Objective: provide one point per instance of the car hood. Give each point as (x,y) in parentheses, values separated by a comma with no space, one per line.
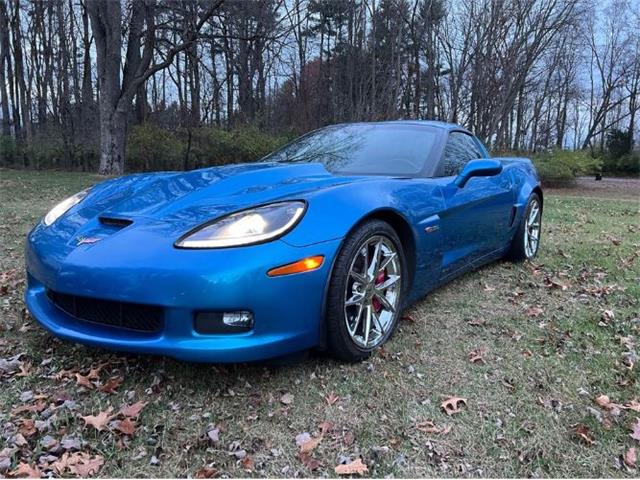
(191,198)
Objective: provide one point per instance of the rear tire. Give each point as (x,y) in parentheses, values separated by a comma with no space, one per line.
(526,241)
(366,291)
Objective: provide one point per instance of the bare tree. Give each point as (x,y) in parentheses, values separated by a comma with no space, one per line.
(116,93)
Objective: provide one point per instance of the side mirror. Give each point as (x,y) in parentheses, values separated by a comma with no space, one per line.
(485,167)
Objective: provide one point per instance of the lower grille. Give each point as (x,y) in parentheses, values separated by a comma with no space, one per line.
(130,316)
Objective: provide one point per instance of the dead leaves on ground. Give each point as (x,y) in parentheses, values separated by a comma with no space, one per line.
(25,470)
(14,366)
(605,403)
(126,426)
(331,398)
(582,432)
(100,421)
(477,355)
(353,468)
(92,381)
(133,410)
(207,472)
(78,463)
(555,283)
(534,312)
(310,444)
(431,428)
(306,444)
(287,399)
(453,405)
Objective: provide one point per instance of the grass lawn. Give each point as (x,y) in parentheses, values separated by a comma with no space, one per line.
(553,336)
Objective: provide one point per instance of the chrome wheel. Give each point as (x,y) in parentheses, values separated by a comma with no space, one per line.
(372,292)
(532,229)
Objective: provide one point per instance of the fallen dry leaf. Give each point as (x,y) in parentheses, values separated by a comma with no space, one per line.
(584,434)
(99,422)
(555,283)
(111,385)
(632,405)
(478,322)
(133,410)
(25,369)
(354,468)
(310,444)
(126,426)
(206,472)
(604,402)
(451,405)
(84,381)
(428,427)
(213,434)
(287,399)
(27,427)
(630,457)
(35,407)
(24,470)
(331,398)
(615,240)
(476,355)
(83,464)
(308,461)
(607,316)
(326,427)
(534,311)
(247,464)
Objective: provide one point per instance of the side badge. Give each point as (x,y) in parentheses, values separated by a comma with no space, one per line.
(432,228)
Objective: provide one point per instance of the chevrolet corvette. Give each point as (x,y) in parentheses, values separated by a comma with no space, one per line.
(319,245)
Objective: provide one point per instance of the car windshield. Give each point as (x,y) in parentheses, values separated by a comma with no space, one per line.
(366,149)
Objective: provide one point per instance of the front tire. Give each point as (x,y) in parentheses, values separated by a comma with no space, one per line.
(366,291)
(526,241)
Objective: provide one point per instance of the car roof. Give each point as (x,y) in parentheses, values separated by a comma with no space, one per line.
(426,123)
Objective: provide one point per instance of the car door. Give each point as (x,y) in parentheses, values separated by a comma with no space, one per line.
(476,216)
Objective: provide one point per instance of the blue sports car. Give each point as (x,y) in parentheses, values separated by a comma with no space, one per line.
(321,244)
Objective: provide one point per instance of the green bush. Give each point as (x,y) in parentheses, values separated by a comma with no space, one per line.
(8,151)
(212,146)
(561,167)
(150,147)
(628,164)
(44,151)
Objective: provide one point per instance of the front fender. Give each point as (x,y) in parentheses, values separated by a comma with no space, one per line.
(415,203)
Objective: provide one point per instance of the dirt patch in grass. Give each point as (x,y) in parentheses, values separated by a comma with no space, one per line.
(608,187)
(552,335)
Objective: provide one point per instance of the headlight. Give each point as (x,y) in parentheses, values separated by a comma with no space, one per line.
(59,210)
(247,227)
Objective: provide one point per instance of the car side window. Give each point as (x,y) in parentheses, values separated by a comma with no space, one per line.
(460,148)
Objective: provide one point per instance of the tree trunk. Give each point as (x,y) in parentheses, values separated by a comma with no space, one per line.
(4,55)
(113,138)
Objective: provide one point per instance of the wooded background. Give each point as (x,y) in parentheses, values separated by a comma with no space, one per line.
(142,84)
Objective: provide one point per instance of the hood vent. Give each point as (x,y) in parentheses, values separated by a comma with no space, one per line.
(115,222)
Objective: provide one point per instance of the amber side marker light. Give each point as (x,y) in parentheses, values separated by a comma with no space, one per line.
(305,265)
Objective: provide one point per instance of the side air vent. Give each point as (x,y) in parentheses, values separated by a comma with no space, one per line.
(115,222)
(513,216)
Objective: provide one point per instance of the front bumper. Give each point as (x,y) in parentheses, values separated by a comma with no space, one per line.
(287,310)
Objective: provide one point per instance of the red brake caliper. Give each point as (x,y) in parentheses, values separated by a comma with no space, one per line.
(377,306)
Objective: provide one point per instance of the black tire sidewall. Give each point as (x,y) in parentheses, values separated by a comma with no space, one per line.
(340,343)
(518,252)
